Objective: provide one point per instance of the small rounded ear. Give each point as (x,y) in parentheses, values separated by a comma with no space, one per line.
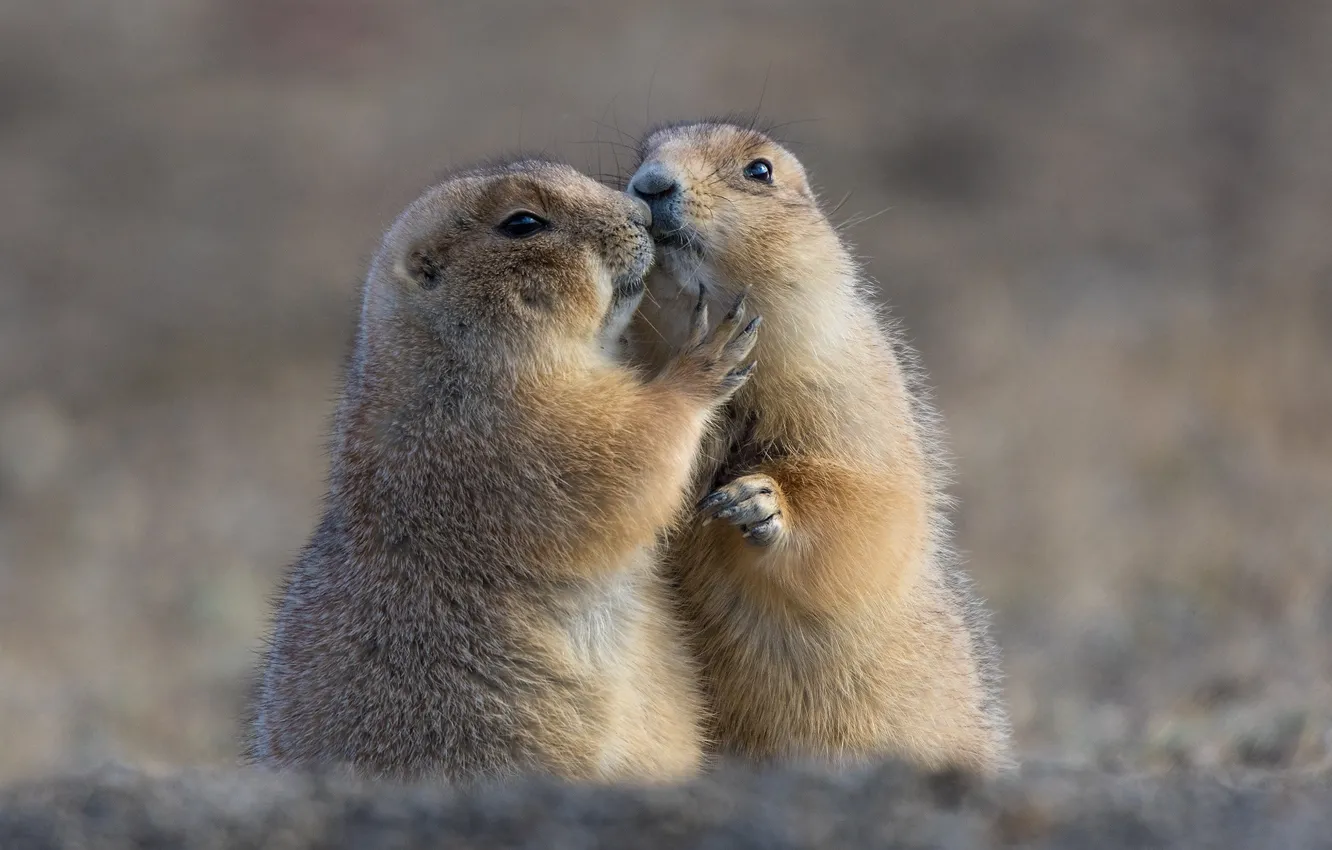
(426,267)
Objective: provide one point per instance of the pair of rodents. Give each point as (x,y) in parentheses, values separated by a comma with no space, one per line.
(511,575)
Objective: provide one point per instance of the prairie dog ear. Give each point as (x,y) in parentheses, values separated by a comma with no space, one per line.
(424,266)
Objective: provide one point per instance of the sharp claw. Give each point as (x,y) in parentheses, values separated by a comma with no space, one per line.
(752,326)
(738,305)
(735,310)
(698,319)
(711,501)
(739,376)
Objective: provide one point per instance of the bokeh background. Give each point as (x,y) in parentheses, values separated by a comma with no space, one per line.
(1107,226)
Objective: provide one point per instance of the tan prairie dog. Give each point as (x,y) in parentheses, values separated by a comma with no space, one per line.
(826,608)
(481,597)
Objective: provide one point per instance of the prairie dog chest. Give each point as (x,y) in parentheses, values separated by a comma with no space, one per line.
(601,629)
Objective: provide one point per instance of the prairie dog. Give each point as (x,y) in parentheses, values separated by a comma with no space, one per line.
(481,597)
(825,606)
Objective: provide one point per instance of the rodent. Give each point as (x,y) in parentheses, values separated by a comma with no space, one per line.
(829,614)
(481,597)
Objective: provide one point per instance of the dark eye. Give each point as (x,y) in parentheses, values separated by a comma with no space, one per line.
(760,170)
(522,224)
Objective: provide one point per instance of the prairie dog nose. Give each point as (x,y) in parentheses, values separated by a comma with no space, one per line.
(653,182)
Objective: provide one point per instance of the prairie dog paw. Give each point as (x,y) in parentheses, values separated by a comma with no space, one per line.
(753,504)
(710,364)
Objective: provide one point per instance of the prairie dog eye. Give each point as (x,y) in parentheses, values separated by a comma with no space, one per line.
(522,224)
(760,170)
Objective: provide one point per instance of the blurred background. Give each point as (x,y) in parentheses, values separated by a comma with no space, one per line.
(1107,227)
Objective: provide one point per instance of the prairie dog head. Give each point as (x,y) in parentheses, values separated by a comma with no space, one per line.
(729,205)
(519,262)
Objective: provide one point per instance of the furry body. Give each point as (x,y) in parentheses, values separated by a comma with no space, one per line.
(824,604)
(481,597)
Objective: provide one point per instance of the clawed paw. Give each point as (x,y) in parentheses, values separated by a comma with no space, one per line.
(752,503)
(713,359)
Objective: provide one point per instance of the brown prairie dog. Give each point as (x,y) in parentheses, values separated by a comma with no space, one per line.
(824,604)
(481,597)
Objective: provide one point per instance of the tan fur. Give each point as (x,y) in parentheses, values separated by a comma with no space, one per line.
(827,611)
(482,596)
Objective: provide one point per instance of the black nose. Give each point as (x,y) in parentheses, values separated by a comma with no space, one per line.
(654,182)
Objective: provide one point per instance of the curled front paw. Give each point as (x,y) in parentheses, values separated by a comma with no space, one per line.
(752,503)
(710,363)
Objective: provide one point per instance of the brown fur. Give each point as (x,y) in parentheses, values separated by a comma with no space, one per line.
(827,610)
(481,597)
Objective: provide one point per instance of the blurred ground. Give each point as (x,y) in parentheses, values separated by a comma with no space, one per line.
(887,808)
(1108,228)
